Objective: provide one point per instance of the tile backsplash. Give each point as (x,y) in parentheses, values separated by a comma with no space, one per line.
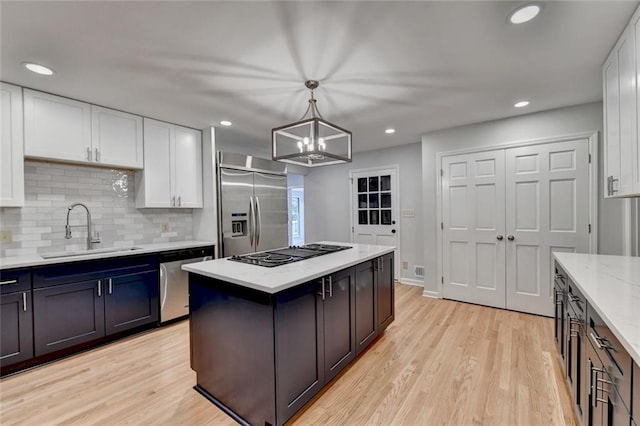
(38,227)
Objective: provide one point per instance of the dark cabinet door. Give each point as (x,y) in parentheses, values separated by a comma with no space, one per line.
(365,294)
(299,348)
(130,301)
(16,336)
(339,322)
(635,404)
(67,315)
(385,291)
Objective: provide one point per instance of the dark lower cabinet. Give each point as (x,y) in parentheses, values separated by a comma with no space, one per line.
(131,301)
(384,289)
(67,315)
(635,403)
(16,339)
(366,311)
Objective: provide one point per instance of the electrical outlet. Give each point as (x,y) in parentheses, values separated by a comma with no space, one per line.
(6,237)
(405,264)
(165,227)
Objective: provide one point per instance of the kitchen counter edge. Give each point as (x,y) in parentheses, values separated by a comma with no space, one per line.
(277,279)
(36,260)
(589,272)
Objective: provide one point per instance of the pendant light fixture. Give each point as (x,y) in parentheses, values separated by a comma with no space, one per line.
(311,141)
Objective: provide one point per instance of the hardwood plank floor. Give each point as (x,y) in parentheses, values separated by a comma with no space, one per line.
(439,362)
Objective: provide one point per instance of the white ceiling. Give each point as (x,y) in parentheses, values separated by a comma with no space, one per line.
(416,66)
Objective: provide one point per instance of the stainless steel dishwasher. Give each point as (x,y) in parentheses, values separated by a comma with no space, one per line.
(174,282)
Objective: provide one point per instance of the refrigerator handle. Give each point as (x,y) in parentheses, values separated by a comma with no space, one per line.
(258,221)
(163,285)
(252,221)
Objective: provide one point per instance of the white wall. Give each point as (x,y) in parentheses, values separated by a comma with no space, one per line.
(546,124)
(327,200)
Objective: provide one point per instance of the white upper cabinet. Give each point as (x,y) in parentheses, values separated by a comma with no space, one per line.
(56,128)
(172,175)
(621,74)
(11,147)
(116,138)
(63,129)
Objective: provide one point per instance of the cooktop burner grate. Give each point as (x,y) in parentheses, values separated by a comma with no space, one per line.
(287,255)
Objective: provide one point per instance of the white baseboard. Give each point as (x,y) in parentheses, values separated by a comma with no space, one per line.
(432,294)
(409,281)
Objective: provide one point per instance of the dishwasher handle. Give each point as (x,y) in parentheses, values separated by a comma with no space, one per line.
(163,285)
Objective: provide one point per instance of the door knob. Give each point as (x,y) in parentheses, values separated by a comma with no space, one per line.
(500,237)
(510,237)
(393,231)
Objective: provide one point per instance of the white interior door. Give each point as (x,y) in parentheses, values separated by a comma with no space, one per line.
(375,209)
(473,228)
(547,205)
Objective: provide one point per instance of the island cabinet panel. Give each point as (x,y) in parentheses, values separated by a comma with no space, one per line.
(339,322)
(299,348)
(16,338)
(366,297)
(384,289)
(67,315)
(635,404)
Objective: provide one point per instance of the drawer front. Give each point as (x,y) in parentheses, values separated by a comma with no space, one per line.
(15,280)
(65,273)
(614,357)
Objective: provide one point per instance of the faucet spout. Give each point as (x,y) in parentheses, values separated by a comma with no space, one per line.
(90,237)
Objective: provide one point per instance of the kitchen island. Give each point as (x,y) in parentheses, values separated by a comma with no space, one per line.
(264,341)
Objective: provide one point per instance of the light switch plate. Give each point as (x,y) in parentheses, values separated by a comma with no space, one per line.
(405,264)
(408,213)
(6,237)
(164,227)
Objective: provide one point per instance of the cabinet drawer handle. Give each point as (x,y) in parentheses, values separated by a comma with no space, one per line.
(330,286)
(179,201)
(99,288)
(97,155)
(321,293)
(173,201)
(110,286)
(24,301)
(88,154)
(8,282)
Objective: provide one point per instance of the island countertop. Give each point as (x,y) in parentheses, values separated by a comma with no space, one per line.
(611,285)
(276,279)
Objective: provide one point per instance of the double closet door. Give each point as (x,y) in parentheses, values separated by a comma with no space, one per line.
(504,213)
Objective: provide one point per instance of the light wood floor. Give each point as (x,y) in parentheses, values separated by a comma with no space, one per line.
(440,362)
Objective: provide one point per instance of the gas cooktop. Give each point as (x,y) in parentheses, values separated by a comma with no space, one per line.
(287,255)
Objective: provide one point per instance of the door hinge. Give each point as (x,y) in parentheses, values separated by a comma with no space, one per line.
(442,279)
(441,172)
(441,225)
(589,228)
(589,158)
(351,179)
(353,229)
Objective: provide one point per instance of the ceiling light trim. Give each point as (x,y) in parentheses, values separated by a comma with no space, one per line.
(521,15)
(37,68)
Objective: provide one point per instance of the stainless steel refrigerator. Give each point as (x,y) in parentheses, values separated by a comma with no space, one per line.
(252,204)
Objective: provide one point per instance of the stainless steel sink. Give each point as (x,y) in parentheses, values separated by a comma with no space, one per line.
(87,252)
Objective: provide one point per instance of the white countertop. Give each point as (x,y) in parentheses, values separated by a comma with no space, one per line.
(36,260)
(273,280)
(611,285)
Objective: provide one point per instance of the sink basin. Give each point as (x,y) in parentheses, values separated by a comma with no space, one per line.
(87,252)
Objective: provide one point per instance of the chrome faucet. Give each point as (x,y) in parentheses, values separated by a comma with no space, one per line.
(90,238)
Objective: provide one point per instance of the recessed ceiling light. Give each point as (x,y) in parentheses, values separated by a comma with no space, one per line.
(225,123)
(37,68)
(390,131)
(524,13)
(521,104)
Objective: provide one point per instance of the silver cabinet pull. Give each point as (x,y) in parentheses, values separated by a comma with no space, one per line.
(179,200)
(510,237)
(610,181)
(88,154)
(24,301)
(321,293)
(99,288)
(110,286)
(381,260)
(97,155)
(173,201)
(330,286)
(8,282)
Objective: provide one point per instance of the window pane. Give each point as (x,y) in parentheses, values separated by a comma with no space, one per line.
(373,201)
(362,201)
(362,217)
(373,216)
(362,184)
(385,217)
(385,200)
(385,183)
(373,184)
